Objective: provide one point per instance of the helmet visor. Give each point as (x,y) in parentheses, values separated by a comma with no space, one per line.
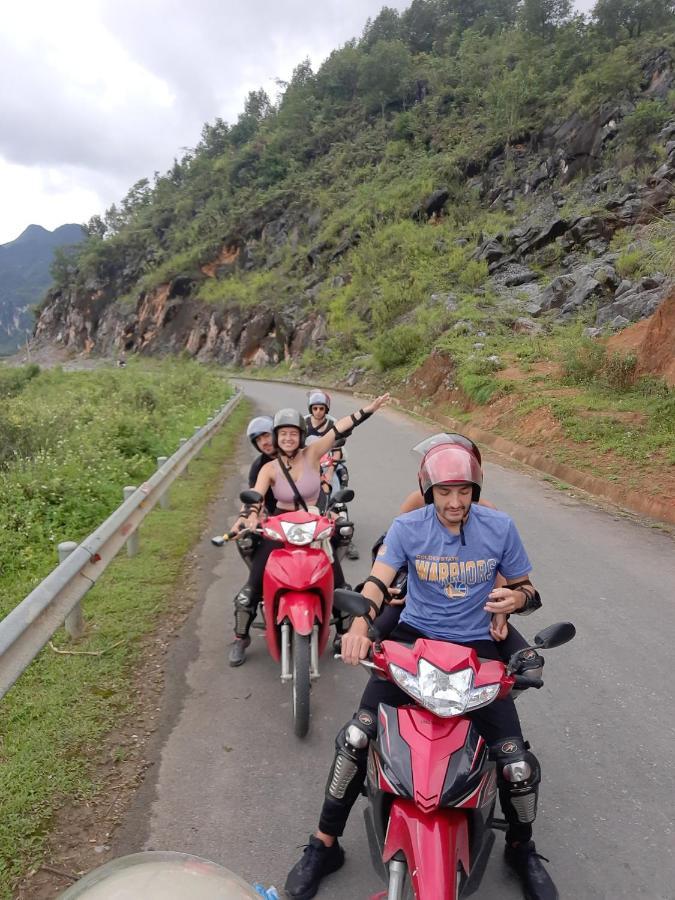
(449,464)
(445,438)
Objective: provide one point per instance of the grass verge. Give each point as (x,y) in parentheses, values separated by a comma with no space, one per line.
(53,719)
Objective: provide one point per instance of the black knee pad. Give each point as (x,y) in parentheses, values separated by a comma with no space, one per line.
(518,776)
(351,753)
(245,607)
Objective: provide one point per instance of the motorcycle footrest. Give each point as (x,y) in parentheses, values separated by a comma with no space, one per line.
(498,824)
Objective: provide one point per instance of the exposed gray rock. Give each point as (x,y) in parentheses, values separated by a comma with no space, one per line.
(353,377)
(618,322)
(491,250)
(524,325)
(585,229)
(649,282)
(623,287)
(514,274)
(632,305)
(592,332)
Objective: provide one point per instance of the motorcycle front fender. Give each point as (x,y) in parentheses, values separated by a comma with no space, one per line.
(301,609)
(436,848)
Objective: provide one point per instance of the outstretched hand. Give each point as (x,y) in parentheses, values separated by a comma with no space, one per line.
(377,403)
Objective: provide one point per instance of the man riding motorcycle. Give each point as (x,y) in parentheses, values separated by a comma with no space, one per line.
(259,433)
(454,549)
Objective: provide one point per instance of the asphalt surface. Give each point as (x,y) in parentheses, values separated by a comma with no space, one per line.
(233,784)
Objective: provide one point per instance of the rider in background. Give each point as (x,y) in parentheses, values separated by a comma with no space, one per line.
(259,433)
(294,477)
(319,423)
(450,534)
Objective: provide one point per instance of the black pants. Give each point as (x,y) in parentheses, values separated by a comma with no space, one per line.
(495,723)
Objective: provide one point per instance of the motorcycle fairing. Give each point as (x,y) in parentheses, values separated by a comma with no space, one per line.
(436,846)
(442,654)
(299,581)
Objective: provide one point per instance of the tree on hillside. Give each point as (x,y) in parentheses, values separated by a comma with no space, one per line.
(385,75)
(486,15)
(635,16)
(420,25)
(257,108)
(386,26)
(338,77)
(542,17)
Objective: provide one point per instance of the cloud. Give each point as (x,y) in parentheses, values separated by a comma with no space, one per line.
(99,93)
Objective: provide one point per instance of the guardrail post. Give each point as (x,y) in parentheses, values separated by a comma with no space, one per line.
(74,620)
(164,498)
(198,428)
(181,443)
(133,541)
(208,422)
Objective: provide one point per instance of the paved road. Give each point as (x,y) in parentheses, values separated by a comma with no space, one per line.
(233,784)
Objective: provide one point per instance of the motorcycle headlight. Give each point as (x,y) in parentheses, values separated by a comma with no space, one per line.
(443,693)
(299,534)
(272,533)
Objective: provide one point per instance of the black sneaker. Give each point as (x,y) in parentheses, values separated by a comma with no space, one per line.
(526,863)
(237,654)
(317,861)
(352,552)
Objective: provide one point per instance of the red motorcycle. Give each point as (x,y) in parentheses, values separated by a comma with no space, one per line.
(431,786)
(298,593)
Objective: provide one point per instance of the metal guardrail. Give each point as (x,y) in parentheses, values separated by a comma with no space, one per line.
(30,625)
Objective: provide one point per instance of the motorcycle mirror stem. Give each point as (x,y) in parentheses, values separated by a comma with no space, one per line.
(551,636)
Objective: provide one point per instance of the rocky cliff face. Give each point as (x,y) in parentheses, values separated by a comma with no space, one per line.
(566,236)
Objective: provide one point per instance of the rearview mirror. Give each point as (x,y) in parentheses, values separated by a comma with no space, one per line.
(555,635)
(346,495)
(350,602)
(250,498)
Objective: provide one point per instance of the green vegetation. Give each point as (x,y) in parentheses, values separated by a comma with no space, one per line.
(69,443)
(53,719)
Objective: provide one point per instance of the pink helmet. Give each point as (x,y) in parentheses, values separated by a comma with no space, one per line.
(449,464)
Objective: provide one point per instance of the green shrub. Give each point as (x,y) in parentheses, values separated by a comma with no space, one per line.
(582,360)
(619,371)
(474,273)
(631,263)
(645,120)
(397,346)
(481,388)
(14,380)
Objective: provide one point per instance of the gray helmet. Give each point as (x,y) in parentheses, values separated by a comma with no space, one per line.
(318,398)
(256,427)
(289,418)
(160,875)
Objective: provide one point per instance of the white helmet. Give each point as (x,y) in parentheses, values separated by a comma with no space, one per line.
(160,875)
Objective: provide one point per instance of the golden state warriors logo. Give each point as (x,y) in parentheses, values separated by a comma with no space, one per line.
(456,576)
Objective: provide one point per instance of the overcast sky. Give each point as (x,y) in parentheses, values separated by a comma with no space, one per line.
(99,93)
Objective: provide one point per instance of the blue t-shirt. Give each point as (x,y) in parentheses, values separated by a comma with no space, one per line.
(448,584)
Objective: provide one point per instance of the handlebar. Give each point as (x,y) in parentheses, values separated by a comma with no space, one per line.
(220,539)
(522,681)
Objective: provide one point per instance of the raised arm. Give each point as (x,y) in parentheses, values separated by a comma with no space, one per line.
(316,450)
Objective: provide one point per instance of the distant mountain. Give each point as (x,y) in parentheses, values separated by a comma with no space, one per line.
(24,278)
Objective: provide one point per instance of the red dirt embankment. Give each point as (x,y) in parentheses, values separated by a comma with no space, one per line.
(652,341)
